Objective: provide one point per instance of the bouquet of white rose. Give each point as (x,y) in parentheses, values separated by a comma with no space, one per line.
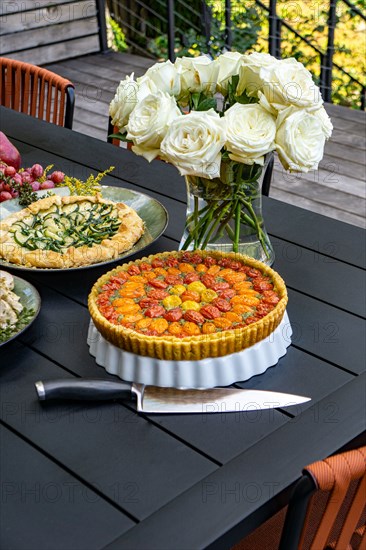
(217,122)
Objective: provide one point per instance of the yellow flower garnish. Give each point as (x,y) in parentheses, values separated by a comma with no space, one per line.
(89,187)
(43,178)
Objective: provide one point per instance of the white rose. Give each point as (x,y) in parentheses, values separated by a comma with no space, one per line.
(228,63)
(198,74)
(146,86)
(299,139)
(250,133)
(149,122)
(250,72)
(325,120)
(193,143)
(128,94)
(287,83)
(165,76)
(124,101)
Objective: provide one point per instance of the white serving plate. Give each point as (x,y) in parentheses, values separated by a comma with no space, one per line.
(206,373)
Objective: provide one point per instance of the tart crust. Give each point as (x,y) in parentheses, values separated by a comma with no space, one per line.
(128,233)
(190,347)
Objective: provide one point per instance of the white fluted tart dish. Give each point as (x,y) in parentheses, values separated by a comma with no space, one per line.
(188,306)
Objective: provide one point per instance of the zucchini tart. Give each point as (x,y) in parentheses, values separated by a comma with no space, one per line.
(188,305)
(62,232)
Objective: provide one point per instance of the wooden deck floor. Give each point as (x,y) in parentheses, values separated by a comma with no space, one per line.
(336,190)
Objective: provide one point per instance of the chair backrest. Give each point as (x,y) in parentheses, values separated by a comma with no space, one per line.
(267,178)
(112,130)
(328,507)
(36,91)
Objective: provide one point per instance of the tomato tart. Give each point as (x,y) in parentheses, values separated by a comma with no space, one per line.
(72,231)
(188,305)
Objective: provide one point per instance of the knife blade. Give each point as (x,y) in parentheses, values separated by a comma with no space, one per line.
(157,400)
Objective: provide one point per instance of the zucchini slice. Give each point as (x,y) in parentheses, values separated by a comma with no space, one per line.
(20,238)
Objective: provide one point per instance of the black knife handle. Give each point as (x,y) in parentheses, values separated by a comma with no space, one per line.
(83,389)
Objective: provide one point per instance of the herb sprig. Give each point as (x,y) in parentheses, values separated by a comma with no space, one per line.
(24,318)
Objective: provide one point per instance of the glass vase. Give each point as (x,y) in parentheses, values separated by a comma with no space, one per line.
(226,213)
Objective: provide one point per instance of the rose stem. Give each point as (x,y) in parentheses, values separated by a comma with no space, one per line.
(213,227)
(237,227)
(201,222)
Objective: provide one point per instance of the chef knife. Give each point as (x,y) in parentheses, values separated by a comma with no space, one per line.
(154,399)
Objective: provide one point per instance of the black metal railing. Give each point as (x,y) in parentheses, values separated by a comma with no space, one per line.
(142,21)
(326,61)
(326,57)
(174,18)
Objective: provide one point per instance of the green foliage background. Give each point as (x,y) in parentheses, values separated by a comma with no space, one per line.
(309,18)
(250,33)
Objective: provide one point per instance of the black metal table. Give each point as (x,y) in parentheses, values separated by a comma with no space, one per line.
(97,475)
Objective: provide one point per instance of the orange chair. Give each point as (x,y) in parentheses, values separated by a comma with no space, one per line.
(112,130)
(327,510)
(36,91)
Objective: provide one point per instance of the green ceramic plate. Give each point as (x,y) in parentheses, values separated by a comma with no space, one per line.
(150,210)
(31,302)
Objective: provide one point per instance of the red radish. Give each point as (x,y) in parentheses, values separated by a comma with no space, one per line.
(8,153)
(37,171)
(36,185)
(17,178)
(57,177)
(47,185)
(5,196)
(26,177)
(10,171)
(7,187)
(14,194)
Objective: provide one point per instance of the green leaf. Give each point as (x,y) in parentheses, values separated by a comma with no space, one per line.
(195,99)
(244,99)
(234,81)
(121,137)
(206,104)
